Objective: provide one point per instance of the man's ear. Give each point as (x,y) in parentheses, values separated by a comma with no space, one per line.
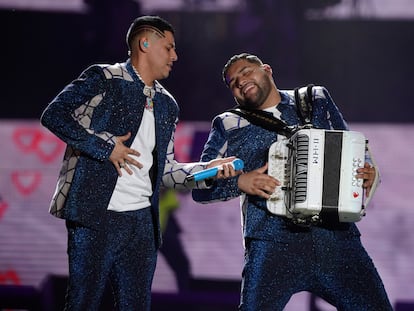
(143,44)
(267,68)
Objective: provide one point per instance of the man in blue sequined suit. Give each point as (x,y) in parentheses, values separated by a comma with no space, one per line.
(118,123)
(282,258)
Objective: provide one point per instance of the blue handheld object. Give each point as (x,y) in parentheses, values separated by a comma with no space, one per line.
(237,164)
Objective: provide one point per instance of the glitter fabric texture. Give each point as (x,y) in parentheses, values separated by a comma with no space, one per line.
(282,259)
(131,235)
(88,127)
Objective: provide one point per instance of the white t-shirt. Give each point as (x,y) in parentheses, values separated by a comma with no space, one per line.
(133,192)
(276,113)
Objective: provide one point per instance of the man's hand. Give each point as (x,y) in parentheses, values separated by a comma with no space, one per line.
(257,182)
(367,173)
(121,155)
(227,171)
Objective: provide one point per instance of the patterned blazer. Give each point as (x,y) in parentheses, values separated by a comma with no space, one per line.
(106,101)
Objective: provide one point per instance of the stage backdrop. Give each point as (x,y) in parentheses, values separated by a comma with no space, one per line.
(33,243)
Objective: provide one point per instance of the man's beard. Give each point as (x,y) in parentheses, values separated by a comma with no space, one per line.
(250,104)
(259,97)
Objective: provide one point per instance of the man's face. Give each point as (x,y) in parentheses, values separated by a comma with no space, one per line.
(161,55)
(250,83)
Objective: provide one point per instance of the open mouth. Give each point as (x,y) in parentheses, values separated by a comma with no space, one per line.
(247,88)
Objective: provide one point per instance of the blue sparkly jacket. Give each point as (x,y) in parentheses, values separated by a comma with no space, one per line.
(232,135)
(106,101)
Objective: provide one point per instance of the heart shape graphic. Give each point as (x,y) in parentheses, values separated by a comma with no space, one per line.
(46,146)
(3,207)
(49,147)
(26,138)
(9,277)
(26,181)
(355,194)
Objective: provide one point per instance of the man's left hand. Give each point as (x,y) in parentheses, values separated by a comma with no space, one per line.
(367,173)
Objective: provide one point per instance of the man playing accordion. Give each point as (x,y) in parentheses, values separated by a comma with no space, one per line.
(281,257)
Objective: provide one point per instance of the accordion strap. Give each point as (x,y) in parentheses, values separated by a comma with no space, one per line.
(304,103)
(264,119)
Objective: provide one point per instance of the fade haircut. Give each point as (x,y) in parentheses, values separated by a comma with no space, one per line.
(249,57)
(147,22)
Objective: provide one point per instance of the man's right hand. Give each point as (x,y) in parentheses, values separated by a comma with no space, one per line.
(257,182)
(121,155)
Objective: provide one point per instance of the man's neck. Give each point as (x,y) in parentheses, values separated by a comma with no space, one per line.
(142,71)
(272,100)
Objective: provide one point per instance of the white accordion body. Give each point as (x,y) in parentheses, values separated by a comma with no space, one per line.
(317,170)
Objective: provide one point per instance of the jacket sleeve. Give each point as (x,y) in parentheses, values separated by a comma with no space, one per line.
(69,115)
(175,173)
(216,147)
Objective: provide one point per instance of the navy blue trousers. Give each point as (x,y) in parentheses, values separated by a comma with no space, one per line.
(123,251)
(330,264)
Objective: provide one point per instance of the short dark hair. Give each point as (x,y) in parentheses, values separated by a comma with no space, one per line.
(249,57)
(144,22)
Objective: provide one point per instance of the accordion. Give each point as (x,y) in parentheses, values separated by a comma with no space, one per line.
(317,171)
